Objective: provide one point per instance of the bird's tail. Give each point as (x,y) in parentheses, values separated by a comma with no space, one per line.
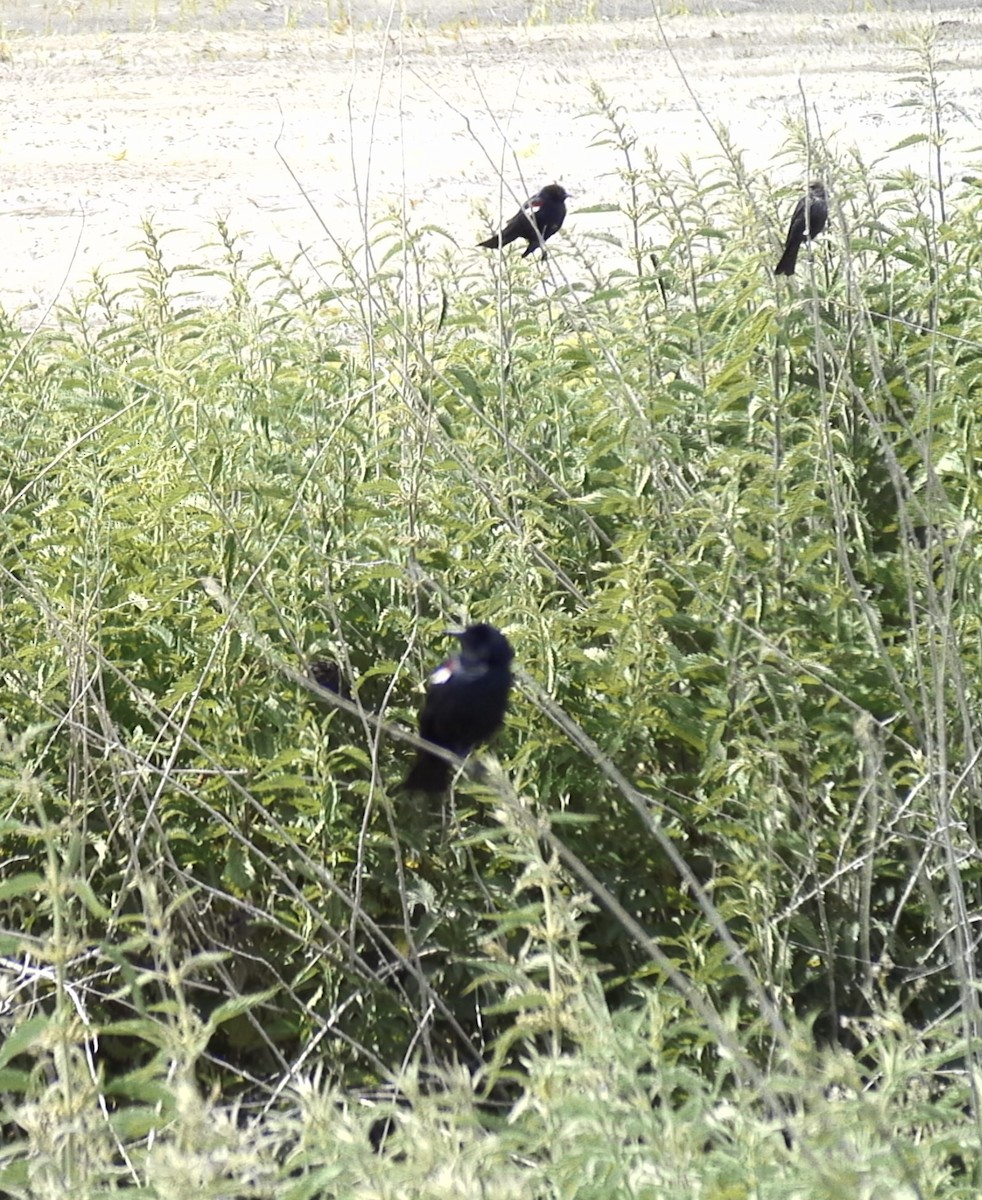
(493,243)
(429,774)
(789,259)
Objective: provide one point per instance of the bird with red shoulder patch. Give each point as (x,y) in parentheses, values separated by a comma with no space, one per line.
(536,221)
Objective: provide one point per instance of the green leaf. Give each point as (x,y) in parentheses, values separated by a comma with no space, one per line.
(24,884)
(238,1005)
(23,1037)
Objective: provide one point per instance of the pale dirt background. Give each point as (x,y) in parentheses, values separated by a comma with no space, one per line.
(108,113)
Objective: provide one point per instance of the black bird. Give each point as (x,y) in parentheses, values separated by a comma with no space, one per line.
(327,673)
(804,226)
(465,703)
(536,221)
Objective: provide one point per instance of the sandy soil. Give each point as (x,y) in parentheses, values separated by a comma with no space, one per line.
(100,128)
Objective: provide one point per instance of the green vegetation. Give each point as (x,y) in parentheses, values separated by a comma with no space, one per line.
(710,929)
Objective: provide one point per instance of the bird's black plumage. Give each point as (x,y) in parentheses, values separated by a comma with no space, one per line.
(327,673)
(807,222)
(465,703)
(536,221)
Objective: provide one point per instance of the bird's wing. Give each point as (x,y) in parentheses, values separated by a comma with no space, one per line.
(517,226)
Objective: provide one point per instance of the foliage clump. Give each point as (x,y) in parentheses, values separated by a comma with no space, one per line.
(711,926)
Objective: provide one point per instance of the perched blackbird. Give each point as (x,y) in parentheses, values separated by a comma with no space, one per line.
(465,703)
(327,673)
(538,218)
(804,226)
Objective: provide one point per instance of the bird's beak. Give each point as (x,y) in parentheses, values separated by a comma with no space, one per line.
(453,633)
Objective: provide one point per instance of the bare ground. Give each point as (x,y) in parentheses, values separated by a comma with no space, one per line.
(99,129)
